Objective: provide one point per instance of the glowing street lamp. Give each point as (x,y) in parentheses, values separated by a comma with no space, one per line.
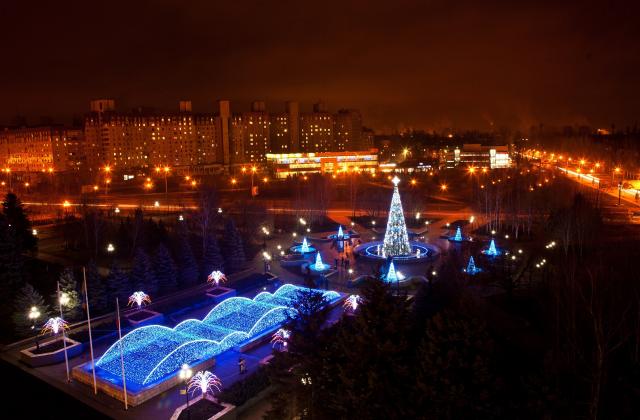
(33,315)
(64,299)
(110,248)
(184,375)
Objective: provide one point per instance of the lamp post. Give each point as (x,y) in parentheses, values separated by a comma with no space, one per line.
(619,191)
(185,375)
(34,314)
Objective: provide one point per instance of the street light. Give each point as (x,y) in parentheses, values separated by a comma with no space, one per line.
(185,374)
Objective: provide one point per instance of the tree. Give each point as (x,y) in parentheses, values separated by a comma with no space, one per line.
(19,222)
(454,366)
(96,290)
(27,298)
(234,249)
(165,270)
(118,284)
(212,258)
(71,310)
(396,239)
(141,276)
(187,266)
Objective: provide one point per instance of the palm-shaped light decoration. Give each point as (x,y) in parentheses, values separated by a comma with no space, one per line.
(216,277)
(205,381)
(55,325)
(280,339)
(352,302)
(139,298)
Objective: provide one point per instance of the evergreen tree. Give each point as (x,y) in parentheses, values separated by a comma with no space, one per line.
(212,258)
(187,266)
(165,270)
(234,249)
(26,298)
(141,276)
(96,289)
(396,239)
(19,222)
(71,310)
(118,285)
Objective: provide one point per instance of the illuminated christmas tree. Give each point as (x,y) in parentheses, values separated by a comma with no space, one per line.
(305,246)
(391,277)
(471,267)
(319,264)
(458,236)
(340,233)
(396,240)
(492,249)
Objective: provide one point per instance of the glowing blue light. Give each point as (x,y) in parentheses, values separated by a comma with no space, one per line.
(492,251)
(458,235)
(391,274)
(340,233)
(153,352)
(471,267)
(319,264)
(305,246)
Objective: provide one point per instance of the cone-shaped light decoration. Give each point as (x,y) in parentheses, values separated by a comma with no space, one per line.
(305,246)
(396,239)
(319,264)
(458,236)
(340,233)
(391,274)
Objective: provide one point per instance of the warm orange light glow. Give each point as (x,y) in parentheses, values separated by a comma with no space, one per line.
(244,169)
(66,203)
(304,177)
(414,182)
(254,169)
(617,169)
(233,181)
(265,179)
(187,178)
(443,187)
(193,183)
(95,188)
(108,181)
(484,170)
(107,168)
(50,170)
(471,169)
(157,169)
(166,169)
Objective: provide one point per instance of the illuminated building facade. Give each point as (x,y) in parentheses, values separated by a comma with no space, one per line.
(285,130)
(348,131)
(36,149)
(316,130)
(288,164)
(250,135)
(148,139)
(478,155)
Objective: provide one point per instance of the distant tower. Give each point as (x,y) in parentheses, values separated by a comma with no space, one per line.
(396,239)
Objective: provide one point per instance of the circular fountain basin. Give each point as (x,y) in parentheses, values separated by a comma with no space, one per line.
(428,252)
(297,249)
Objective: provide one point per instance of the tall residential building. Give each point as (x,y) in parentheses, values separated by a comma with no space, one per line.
(223,130)
(348,130)
(140,140)
(35,149)
(285,130)
(251,135)
(316,130)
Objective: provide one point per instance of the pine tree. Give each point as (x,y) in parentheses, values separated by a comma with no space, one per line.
(396,239)
(27,298)
(19,222)
(118,285)
(187,266)
(71,310)
(234,249)
(141,276)
(165,271)
(96,289)
(212,258)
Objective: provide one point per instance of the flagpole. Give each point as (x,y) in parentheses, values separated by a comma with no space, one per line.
(64,336)
(86,299)
(124,380)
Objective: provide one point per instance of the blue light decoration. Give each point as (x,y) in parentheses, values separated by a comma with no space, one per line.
(396,239)
(458,236)
(319,264)
(492,251)
(340,233)
(305,246)
(154,352)
(391,276)
(471,267)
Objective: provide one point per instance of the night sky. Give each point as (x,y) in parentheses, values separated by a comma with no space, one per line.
(421,64)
